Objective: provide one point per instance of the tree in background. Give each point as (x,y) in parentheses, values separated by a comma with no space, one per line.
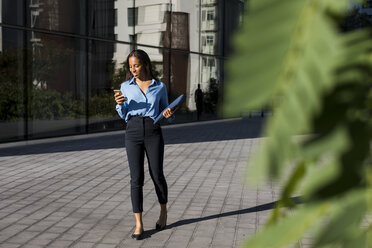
(46,62)
(294,56)
(11,93)
(211,97)
(118,75)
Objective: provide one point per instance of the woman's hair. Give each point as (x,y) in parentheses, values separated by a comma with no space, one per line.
(144,60)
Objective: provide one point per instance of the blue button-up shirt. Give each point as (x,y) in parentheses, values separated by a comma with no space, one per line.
(139,104)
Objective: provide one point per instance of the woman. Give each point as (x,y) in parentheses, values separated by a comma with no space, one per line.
(143,98)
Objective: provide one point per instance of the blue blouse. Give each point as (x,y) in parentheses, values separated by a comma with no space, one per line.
(139,104)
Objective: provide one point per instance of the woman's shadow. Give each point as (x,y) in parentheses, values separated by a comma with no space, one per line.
(263,207)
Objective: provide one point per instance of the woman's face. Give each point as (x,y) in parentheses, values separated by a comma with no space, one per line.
(136,68)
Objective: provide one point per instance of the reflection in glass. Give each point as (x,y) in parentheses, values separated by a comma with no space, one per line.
(176,62)
(56,85)
(209,26)
(84,17)
(211,83)
(105,74)
(194,80)
(146,21)
(13,74)
(127,16)
(132,16)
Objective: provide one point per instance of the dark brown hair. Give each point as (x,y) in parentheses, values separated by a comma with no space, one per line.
(145,61)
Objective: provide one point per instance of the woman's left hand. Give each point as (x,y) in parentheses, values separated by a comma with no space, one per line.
(168,113)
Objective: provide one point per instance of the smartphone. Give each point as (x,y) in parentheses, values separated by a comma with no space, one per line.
(120,94)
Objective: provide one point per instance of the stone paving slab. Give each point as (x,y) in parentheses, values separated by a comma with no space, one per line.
(75,192)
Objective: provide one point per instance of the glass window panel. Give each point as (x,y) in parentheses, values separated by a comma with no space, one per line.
(218,21)
(210,15)
(186,16)
(192,84)
(132,17)
(106,72)
(209,27)
(127,15)
(83,17)
(183,77)
(13,12)
(116,17)
(209,43)
(210,84)
(79,74)
(153,23)
(232,12)
(13,71)
(57,91)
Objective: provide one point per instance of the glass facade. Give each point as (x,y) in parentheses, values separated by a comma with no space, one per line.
(60,59)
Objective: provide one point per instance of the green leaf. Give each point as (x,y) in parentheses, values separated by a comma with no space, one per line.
(289,188)
(344,220)
(292,56)
(333,143)
(289,230)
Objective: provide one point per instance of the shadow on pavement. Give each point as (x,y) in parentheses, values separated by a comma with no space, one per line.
(263,207)
(173,134)
(259,208)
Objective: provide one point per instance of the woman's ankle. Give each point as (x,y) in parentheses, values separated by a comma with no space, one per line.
(163,209)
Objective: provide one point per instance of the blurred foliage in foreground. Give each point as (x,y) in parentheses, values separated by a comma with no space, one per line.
(292,55)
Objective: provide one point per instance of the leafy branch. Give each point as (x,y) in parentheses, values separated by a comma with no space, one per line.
(292,56)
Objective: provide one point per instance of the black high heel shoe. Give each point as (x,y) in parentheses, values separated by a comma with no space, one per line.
(159,227)
(138,236)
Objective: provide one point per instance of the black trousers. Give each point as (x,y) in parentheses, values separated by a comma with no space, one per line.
(143,137)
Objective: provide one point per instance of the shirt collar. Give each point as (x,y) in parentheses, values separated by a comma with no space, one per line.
(133,82)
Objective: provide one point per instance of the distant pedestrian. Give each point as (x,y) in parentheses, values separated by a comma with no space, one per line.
(198,96)
(140,101)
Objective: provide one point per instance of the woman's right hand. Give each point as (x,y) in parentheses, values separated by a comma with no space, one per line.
(119,98)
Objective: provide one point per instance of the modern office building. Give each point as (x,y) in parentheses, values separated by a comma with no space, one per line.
(60,59)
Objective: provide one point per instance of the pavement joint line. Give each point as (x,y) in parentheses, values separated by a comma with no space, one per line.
(86,232)
(208,200)
(240,203)
(170,186)
(83,195)
(30,180)
(45,186)
(224,203)
(48,204)
(188,205)
(119,203)
(203,211)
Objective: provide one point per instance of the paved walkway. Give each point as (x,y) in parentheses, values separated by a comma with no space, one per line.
(74,191)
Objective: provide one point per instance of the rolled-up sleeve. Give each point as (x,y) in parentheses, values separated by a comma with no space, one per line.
(122,110)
